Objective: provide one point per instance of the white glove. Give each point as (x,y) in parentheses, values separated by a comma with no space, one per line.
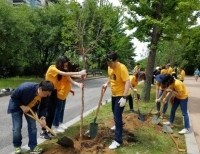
(83,72)
(81,85)
(157,100)
(122,102)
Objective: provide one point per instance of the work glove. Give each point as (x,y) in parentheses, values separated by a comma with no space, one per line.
(83,72)
(157,100)
(122,102)
(81,85)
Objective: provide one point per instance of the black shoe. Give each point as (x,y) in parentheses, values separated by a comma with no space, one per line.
(131,110)
(45,135)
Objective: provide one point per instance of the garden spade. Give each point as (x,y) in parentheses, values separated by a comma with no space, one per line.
(141,117)
(63,141)
(156,118)
(94,126)
(169,131)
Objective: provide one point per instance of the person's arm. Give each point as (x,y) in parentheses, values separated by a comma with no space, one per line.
(83,72)
(80,85)
(126,89)
(106,84)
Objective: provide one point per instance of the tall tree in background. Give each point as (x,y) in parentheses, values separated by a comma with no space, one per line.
(157,20)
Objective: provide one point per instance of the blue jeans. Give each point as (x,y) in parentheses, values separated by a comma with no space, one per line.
(117,112)
(59,113)
(183,104)
(158,104)
(17,126)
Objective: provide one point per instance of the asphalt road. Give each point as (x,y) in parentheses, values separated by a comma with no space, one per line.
(73,109)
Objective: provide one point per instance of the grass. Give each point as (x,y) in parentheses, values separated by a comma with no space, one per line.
(149,140)
(16,81)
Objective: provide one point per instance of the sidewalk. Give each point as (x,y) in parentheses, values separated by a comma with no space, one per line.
(193,139)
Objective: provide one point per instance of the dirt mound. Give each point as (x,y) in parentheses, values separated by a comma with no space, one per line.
(105,135)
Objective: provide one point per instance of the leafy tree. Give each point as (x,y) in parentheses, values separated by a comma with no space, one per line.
(157,20)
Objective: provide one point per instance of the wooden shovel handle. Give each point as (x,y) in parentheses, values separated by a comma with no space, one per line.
(34,116)
(177,146)
(100,101)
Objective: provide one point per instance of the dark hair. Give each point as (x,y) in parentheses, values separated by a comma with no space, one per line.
(138,64)
(111,56)
(60,65)
(141,75)
(46,85)
(167,80)
(72,67)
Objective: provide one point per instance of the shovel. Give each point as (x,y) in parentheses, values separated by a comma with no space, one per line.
(169,131)
(156,118)
(94,126)
(141,117)
(63,141)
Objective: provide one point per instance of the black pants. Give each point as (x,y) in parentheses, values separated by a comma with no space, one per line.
(51,109)
(130,101)
(152,82)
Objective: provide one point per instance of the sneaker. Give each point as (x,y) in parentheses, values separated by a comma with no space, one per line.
(131,110)
(167,123)
(18,150)
(156,112)
(45,135)
(36,150)
(184,131)
(114,145)
(113,127)
(59,130)
(63,126)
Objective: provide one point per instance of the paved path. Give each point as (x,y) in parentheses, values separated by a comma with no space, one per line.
(193,139)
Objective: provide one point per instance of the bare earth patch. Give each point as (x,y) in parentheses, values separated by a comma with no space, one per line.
(99,144)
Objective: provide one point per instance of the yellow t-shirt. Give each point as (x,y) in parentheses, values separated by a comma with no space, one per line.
(118,76)
(169,70)
(182,75)
(35,101)
(178,86)
(163,71)
(63,86)
(133,80)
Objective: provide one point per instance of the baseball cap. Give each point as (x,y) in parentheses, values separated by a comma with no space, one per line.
(159,78)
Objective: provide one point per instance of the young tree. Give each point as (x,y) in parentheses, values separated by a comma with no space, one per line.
(156,20)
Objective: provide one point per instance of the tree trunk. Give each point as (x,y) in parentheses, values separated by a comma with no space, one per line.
(152,55)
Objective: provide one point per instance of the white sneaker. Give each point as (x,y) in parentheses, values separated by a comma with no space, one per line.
(184,131)
(59,130)
(113,127)
(167,123)
(114,145)
(63,126)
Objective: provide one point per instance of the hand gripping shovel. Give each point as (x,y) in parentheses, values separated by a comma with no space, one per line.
(63,141)
(94,125)
(140,116)
(169,131)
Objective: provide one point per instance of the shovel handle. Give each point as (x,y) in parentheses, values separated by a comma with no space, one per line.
(39,121)
(177,146)
(100,100)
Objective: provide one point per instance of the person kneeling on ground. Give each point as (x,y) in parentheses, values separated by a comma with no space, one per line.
(29,95)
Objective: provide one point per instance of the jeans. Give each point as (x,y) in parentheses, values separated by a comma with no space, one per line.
(59,114)
(158,104)
(183,104)
(17,126)
(117,112)
(130,101)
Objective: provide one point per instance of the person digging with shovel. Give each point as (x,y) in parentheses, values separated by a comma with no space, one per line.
(29,95)
(120,83)
(134,80)
(177,88)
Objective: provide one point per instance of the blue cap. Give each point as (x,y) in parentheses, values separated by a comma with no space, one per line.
(159,78)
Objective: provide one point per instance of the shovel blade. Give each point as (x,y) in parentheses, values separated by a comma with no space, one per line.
(141,117)
(93,130)
(65,141)
(156,119)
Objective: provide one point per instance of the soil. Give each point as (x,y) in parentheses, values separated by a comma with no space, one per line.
(105,135)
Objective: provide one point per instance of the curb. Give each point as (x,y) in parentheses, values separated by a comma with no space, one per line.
(191,143)
(6,93)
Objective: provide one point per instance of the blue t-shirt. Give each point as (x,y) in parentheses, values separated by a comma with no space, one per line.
(196,72)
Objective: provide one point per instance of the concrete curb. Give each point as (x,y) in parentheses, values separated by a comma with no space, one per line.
(191,143)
